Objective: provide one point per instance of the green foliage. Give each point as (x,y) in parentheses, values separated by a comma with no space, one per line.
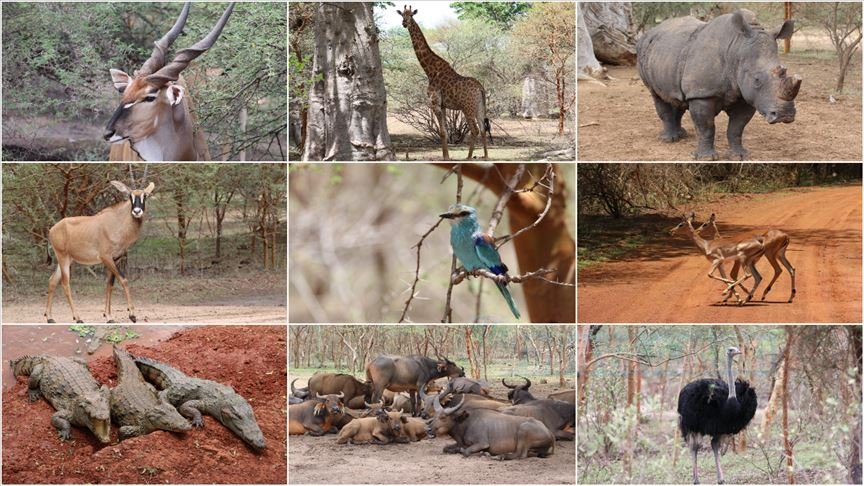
(56,58)
(501,14)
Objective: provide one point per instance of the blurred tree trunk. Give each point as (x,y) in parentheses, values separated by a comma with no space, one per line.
(853,465)
(486,330)
(787,445)
(682,380)
(774,398)
(348,105)
(547,245)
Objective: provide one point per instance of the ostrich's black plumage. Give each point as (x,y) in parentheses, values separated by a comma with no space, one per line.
(704,408)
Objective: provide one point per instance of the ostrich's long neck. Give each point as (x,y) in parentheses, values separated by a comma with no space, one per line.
(731,377)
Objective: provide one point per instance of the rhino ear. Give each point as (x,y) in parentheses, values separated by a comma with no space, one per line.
(785,30)
(740,24)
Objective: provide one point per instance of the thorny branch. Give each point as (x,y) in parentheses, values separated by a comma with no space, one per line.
(550,190)
(461,274)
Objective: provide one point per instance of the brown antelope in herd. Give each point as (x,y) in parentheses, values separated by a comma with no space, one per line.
(776,242)
(154,116)
(101,238)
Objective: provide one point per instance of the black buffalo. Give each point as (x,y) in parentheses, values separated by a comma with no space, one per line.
(407,373)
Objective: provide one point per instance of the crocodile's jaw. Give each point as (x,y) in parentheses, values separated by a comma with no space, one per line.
(101,429)
(245,428)
(166,417)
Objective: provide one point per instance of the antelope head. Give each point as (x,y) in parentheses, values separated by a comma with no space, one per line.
(151,114)
(137,197)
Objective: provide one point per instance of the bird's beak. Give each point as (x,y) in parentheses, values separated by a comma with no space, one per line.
(446,215)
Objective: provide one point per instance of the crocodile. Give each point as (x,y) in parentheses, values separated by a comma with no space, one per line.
(194,396)
(70,388)
(135,405)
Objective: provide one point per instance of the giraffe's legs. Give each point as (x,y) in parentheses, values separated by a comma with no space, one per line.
(437,108)
(472,125)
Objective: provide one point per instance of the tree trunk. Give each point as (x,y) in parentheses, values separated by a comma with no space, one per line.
(787,445)
(535,97)
(348,105)
(586,353)
(587,65)
(611,29)
(853,465)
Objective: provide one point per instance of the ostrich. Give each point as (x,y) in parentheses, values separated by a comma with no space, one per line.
(712,407)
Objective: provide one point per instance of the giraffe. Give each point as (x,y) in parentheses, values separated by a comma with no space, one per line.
(448,89)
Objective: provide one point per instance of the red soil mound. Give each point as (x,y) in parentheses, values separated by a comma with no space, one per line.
(249,358)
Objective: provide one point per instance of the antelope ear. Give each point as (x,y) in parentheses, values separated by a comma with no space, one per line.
(121,79)
(121,187)
(150,188)
(175,94)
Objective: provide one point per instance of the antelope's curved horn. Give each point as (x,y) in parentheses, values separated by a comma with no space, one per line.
(157,59)
(171,72)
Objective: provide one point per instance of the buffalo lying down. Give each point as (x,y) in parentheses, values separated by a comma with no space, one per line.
(383,428)
(316,416)
(505,436)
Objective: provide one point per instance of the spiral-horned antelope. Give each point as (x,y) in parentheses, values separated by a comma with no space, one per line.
(154,119)
(101,238)
(776,242)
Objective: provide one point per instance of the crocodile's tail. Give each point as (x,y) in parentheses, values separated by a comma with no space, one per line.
(24,365)
(155,372)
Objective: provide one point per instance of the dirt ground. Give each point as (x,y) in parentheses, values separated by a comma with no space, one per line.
(618,121)
(249,358)
(665,279)
(311,459)
(512,139)
(257,299)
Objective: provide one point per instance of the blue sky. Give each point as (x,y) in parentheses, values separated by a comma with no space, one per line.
(429,14)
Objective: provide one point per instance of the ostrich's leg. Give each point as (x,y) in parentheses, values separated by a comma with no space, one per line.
(693,442)
(695,451)
(715,446)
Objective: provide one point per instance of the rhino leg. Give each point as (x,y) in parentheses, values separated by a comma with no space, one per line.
(703,112)
(671,118)
(739,116)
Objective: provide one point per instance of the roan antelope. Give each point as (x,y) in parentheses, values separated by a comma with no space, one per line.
(101,238)
(154,116)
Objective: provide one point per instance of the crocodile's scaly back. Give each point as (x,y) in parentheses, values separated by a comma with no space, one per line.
(70,388)
(194,396)
(135,405)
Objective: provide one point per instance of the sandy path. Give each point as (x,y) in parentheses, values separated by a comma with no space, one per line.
(665,280)
(91,312)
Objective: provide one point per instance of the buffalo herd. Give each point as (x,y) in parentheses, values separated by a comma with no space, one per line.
(399,403)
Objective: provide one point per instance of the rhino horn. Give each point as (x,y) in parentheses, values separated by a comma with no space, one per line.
(789,88)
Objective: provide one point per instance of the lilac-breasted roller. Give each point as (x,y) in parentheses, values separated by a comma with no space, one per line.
(474,248)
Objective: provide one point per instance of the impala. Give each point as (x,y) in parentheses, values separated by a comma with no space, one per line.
(154,118)
(101,238)
(776,242)
(743,253)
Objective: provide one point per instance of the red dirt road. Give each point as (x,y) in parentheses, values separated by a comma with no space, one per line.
(665,280)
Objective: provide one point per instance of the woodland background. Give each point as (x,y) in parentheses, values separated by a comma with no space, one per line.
(807,427)
(58,94)
(522,53)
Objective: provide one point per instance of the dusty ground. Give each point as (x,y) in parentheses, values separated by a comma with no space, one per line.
(618,121)
(512,139)
(250,359)
(257,299)
(311,459)
(665,279)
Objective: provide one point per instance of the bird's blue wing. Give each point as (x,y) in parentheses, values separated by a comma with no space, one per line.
(484,246)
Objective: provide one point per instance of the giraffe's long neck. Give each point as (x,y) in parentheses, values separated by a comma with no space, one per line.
(431,63)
